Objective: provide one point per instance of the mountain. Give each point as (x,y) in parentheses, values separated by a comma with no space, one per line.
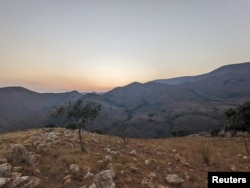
(242,68)
(21,108)
(143,110)
(154,109)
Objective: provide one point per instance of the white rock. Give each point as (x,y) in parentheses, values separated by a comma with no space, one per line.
(174,179)
(245,157)
(88,174)
(74,168)
(3,181)
(133,152)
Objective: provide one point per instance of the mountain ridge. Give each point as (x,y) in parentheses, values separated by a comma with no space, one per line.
(183,79)
(18,104)
(147,110)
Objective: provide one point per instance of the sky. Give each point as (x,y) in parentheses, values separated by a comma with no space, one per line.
(97,45)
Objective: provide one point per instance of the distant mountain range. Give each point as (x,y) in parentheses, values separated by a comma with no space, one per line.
(151,110)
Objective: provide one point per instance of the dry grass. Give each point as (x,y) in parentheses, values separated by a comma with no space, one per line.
(187,156)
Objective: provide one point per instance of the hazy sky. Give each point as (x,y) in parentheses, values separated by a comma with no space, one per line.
(96,45)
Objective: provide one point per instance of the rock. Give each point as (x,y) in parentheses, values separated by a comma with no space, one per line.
(149,162)
(229,134)
(233,168)
(174,179)
(108,150)
(122,172)
(147,182)
(92,186)
(51,136)
(162,186)
(152,175)
(108,158)
(67,181)
(74,168)
(14,175)
(133,152)
(4,181)
(221,133)
(17,169)
(245,157)
(67,177)
(104,180)
(5,170)
(241,133)
(88,174)
(114,152)
(17,153)
(32,159)
(25,182)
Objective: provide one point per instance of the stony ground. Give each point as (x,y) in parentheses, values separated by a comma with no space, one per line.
(52,158)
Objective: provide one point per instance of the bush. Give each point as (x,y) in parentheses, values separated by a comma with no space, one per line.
(50,126)
(238,119)
(215,132)
(97,131)
(179,133)
(71,126)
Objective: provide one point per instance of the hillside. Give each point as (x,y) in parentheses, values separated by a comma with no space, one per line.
(155,109)
(20,107)
(242,68)
(52,158)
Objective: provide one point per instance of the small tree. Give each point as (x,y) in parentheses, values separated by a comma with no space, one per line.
(79,115)
(123,133)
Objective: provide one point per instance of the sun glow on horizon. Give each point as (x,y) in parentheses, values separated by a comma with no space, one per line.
(97,46)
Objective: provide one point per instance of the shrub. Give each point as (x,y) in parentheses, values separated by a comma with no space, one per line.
(71,126)
(179,133)
(215,132)
(50,126)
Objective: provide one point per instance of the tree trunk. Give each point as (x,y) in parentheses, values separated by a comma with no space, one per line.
(80,138)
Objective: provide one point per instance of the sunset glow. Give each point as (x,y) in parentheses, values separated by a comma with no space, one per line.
(63,45)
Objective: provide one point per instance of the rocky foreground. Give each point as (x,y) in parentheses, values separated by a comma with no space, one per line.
(52,158)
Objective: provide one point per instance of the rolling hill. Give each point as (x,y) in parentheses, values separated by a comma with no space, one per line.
(154,109)
(151,110)
(21,108)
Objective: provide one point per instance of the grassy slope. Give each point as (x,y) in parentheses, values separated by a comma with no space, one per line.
(174,155)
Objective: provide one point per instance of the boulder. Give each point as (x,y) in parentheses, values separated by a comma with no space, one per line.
(4,181)
(104,180)
(25,182)
(17,153)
